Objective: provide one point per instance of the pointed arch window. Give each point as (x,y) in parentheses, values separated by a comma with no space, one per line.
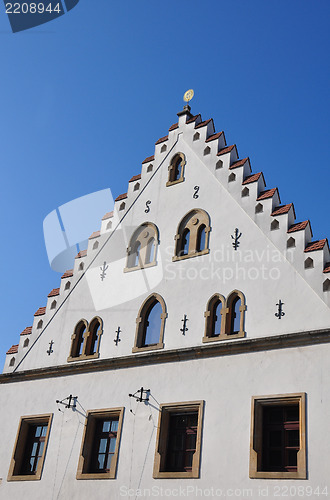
(224,318)
(150,324)
(85,341)
(176,169)
(192,237)
(142,250)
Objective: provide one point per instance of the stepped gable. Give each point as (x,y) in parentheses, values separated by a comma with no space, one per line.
(54,292)
(248,178)
(67,274)
(299,226)
(252,178)
(13,349)
(108,215)
(316,245)
(27,330)
(41,311)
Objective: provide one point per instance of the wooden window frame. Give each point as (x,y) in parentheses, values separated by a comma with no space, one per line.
(226,311)
(162,437)
(20,446)
(258,402)
(87,443)
(172,166)
(86,340)
(193,221)
(140,321)
(143,235)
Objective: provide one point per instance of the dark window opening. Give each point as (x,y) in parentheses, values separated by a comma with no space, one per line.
(104,444)
(181,443)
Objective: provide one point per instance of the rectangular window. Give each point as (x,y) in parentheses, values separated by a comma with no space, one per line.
(30,448)
(179,440)
(100,445)
(278,437)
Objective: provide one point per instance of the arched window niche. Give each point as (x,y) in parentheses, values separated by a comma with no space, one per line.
(176,169)
(150,324)
(85,340)
(192,237)
(142,250)
(224,318)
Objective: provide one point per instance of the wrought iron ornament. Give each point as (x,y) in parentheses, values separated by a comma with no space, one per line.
(117,339)
(147,210)
(196,195)
(236,237)
(139,395)
(184,328)
(50,350)
(280,312)
(67,402)
(103,269)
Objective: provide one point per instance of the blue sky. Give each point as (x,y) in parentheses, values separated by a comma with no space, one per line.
(77,91)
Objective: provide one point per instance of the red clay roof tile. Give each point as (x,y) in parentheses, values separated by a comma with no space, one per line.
(327,268)
(108,215)
(252,178)
(162,139)
(284,209)
(27,330)
(148,159)
(13,349)
(298,226)
(135,178)
(192,119)
(41,311)
(67,274)
(223,151)
(54,292)
(121,197)
(239,163)
(80,254)
(173,127)
(202,124)
(96,234)
(315,245)
(214,136)
(267,194)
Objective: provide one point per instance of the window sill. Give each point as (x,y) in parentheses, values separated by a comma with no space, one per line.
(228,336)
(96,475)
(148,348)
(190,255)
(83,357)
(136,268)
(27,477)
(172,183)
(278,475)
(176,475)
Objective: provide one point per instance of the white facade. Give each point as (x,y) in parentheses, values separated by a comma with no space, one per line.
(275,356)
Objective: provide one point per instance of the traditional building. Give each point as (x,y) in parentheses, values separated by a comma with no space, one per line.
(190,341)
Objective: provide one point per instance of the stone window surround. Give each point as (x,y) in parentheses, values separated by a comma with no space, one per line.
(86,334)
(256,435)
(87,442)
(144,240)
(225,317)
(172,167)
(193,220)
(162,435)
(140,322)
(20,444)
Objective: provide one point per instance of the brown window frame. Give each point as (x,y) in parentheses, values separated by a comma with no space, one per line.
(142,236)
(85,468)
(178,157)
(257,436)
(87,340)
(161,454)
(193,221)
(141,324)
(23,442)
(226,317)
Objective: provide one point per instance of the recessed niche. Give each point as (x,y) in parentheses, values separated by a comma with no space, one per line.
(53,304)
(219,164)
(207,150)
(245,192)
(150,167)
(291,243)
(136,187)
(26,343)
(67,286)
(326,285)
(232,177)
(122,206)
(163,148)
(196,136)
(40,323)
(259,208)
(274,225)
(309,263)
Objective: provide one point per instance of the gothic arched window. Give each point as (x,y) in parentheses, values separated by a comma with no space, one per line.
(192,237)
(176,169)
(224,318)
(85,341)
(235,311)
(150,324)
(142,250)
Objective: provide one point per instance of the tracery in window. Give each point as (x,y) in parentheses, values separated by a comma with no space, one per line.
(192,237)
(85,341)
(142,250)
